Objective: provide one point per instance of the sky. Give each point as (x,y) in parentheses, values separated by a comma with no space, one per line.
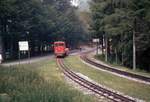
(83,5)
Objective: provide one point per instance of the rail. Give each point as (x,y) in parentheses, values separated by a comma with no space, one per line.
(115,97)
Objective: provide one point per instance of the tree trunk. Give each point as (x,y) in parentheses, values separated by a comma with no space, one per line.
(106,48)
(102,45)
(1,45)
(2,31)
(122,58)
(116,58)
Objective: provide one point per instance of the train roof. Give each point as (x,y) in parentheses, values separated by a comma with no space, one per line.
(59,42)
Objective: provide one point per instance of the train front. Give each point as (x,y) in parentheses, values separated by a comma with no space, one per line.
(60,49)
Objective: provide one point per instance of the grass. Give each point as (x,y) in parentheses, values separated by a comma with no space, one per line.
(37,82)
(126,86)
(137,71)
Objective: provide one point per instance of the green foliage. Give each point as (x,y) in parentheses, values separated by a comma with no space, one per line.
(116,20)
(40,21)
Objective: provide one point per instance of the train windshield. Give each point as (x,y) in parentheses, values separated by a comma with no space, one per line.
(59,44)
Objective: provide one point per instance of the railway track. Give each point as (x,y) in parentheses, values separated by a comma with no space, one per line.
(120,72)
(91,86)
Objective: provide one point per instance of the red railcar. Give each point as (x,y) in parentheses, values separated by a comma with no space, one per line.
(60,49)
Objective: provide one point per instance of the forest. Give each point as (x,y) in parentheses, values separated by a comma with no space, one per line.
(125,26)
(41,22)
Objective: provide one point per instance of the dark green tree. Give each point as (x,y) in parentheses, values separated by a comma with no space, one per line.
(118,21)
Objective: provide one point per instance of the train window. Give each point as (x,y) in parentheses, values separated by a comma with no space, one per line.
(59,44)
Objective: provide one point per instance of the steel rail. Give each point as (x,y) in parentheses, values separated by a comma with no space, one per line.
(120,72)
(91,86)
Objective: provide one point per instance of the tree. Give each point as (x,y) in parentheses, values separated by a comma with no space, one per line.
(115,19)
(41,22)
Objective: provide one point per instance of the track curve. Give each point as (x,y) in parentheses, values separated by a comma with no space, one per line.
(101,66)
(91,86)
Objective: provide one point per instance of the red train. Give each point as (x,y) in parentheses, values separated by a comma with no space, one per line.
(60,49)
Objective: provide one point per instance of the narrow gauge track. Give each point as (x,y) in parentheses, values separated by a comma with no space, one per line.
(128,74)
(91,86)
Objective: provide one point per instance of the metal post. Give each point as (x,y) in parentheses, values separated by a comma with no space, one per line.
(134,52)
(28,46)
(134,45)
(29,55)
(19,57)
(97,48)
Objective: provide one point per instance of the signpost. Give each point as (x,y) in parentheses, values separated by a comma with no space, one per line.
(96,40)
(24,46)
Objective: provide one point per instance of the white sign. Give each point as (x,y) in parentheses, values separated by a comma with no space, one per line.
(95,40)
(23,46)
(0,57)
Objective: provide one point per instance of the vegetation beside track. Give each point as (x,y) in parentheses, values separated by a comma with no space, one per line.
(37,82)
(113,64)
(126,86)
